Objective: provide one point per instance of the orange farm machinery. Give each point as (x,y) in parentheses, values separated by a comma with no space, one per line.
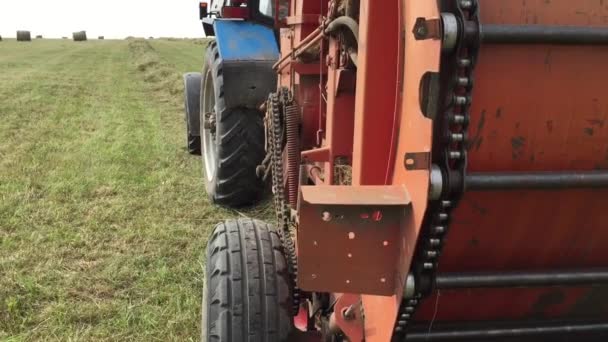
(439,169)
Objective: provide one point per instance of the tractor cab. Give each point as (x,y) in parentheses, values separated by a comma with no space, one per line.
(258,11)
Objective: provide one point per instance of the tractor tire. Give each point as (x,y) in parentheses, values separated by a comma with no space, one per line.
(246,295)
(232,143)
(192,108)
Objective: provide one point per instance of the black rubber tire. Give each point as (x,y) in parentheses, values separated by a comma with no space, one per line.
(246,295)
(239,143)
(194,144)
(192,107)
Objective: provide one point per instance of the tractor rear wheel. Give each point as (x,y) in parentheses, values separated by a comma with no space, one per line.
(246,295)
(232,140)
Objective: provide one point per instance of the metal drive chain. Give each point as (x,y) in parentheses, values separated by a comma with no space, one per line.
(450,130)
(275,137)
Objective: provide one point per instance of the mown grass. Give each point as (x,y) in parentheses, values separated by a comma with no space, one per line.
(103,217)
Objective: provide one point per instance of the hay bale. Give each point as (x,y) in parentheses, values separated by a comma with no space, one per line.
(38,37)
(80,36)
(0,38)
(101,37)
(24,36)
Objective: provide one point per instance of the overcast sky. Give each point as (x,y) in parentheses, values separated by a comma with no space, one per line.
(109,18)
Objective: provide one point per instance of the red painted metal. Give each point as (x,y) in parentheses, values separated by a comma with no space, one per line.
(349,318)
(235,12)
(535,108)
(413,135)
(347,238)
(375,97)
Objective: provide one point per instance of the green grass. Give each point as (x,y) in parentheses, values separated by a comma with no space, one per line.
(103,216)
(184,55)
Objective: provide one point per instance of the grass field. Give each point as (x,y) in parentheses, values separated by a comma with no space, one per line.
(103,216)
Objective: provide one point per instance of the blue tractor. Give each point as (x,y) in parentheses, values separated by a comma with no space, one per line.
(225,124)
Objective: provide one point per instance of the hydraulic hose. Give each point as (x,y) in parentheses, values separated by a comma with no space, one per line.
(351,24)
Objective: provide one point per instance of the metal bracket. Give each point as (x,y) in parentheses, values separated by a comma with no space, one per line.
(427,29)
(349,238)
(417,161)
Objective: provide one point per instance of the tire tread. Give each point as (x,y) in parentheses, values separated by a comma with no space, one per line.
(247,278)
(240,147)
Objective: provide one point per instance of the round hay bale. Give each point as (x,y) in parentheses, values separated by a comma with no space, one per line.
(24,36)
(101,37)
(38,37)
(0,38)
(80,36)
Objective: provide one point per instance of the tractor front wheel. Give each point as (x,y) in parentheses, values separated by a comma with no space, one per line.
(246,294)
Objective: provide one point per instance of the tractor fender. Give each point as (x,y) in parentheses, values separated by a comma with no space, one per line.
(247,51)
(192,87)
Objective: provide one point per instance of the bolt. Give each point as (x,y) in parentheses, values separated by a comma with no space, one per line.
(209,121)
(439,229)
(421,31)
(431,254)
(464,63)
(461,100)
(458,119)
(463,81)
(349,313)
(455,155)
(466,4)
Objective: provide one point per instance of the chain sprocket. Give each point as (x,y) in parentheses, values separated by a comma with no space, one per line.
(450,155)
(275,124)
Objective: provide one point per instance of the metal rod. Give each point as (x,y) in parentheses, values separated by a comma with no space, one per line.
(536,181)
(537,331)
(541,34)
(521,279)
(315,36)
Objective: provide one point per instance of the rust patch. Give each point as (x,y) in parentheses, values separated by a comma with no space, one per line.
(593,303)
(477,139)
(479,209)
(596,122)
(548,59)
(518,143)
(474,242)
(546,301)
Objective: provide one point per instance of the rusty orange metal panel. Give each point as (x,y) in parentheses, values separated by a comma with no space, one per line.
(535,108)
(347,238)
(375,97)
(414,136)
